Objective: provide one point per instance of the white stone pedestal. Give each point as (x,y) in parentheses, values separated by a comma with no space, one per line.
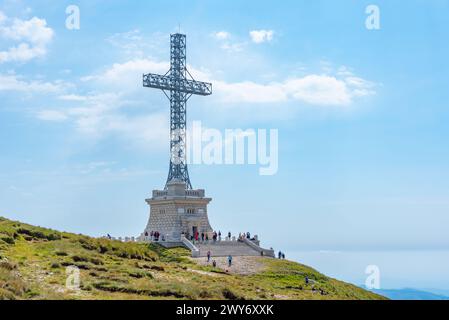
(177,211)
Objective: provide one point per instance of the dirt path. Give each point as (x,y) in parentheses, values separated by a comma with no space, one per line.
(240,265)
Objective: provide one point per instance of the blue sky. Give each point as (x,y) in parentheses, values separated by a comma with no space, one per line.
(362,117)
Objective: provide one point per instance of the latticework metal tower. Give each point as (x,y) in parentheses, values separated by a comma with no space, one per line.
(178,85)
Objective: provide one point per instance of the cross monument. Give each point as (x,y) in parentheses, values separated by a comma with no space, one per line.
(178,210)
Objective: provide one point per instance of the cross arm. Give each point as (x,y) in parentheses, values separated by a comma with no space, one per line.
(157,81)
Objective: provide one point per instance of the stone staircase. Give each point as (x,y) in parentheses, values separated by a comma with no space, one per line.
(226,248)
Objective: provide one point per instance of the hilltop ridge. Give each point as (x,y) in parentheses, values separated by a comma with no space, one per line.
(33,262)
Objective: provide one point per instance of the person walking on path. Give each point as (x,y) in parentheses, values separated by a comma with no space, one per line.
(230,261)
(208,256)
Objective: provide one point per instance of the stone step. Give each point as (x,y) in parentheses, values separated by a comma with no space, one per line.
(226,248)
(219,243)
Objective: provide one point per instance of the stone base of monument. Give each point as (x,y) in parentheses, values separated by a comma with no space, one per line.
(177,211)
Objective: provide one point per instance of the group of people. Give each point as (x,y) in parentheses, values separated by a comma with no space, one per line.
(281,255)
(214,262)
(216,236)
(197,236)
(244,235)
(155,236)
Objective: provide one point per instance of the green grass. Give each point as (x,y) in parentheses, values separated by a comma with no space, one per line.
(33,264)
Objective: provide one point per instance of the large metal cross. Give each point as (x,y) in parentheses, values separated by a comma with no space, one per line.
(180,89)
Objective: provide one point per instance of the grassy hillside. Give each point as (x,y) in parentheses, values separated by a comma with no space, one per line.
(33,263)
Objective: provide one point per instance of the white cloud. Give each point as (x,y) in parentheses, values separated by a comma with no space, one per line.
(132,42)
(135,67)
(325,90)
(87,109)
(129,74)
(321,90)
(260,36)
(23,52)
(135,44)
(100,115)
(249,92)
(13,82)
(227,43)
(51,115)
(2,18)
(94,105)
(146,131)
(222,35)
(30,37)
(233,47)
(103,112)
(73,97)
(34,30)
(126,40)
